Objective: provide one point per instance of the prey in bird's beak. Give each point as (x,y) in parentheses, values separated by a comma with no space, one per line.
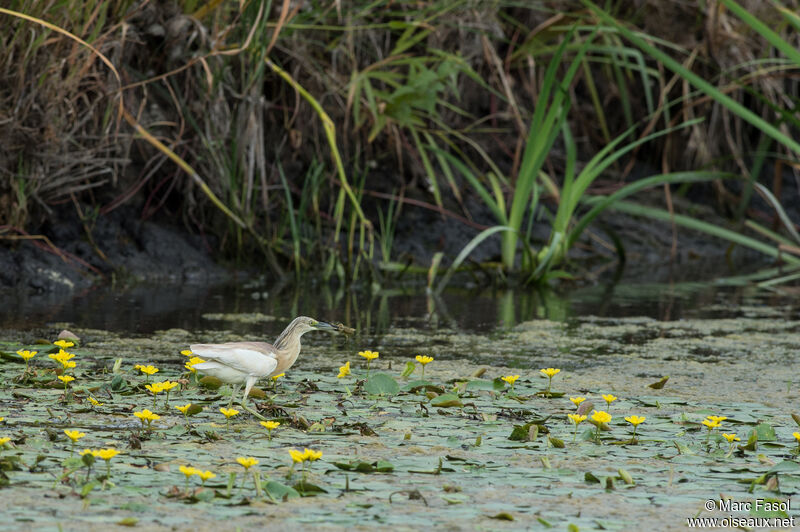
(334,327)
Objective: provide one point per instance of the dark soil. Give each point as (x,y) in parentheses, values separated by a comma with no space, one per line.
(125,249)
(121,248)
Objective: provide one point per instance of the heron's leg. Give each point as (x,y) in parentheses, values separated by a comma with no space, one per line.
(256,414)
(250,382)
(234,389)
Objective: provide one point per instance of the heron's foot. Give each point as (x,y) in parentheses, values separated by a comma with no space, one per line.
(256,414)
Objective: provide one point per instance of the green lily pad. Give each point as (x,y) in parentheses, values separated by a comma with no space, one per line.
(764,432)
(380,466)
(381,384)
(446,401)
(416,386)
(495,385)
(279,492)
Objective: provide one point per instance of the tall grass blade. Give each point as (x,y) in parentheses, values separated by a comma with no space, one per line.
(732,105)
(705,227)
(467,250)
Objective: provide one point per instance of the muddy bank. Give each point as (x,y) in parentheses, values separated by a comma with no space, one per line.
(122,249)
(115,248)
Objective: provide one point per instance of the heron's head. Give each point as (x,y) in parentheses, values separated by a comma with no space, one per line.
(303,324)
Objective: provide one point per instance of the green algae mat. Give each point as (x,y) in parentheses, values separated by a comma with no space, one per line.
(646,424)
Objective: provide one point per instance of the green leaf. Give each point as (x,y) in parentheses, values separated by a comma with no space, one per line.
(381,466)
(447,400)
(591,478)
(659,384)
(522,432)
(428,386)
(785,466)
(279,492)
(410,367)
(87,488)
(118,383)
(381,384)
(764,432)
(485,384)
(306,488)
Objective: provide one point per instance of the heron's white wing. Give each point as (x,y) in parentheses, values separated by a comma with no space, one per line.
(237,357)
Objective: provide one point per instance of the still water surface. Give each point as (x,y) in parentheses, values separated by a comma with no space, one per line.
(147,308)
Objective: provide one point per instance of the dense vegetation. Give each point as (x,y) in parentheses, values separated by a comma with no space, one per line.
(303,131)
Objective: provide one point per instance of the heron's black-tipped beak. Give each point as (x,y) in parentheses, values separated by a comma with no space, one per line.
(334,327)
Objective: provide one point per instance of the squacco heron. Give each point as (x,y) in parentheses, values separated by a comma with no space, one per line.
(240,363)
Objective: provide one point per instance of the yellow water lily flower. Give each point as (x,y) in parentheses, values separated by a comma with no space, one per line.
(796,437)
(191,363)
(205,475)
(66,379)
(577,400)
(718,419)
(107,454)
(229,412)
(26,355)
(63,358)
(311,455)
(146,414)
(608,398)
(575,418)
(63,344)
(549,373)
(4,440)
(424,360)
(168,385)
(94,401)
(600,416)
(635,420)
(278,376)
(185,408)
(297,456)
(74,435)
(369,355)
(154,388)
(189,471)
(187,352)
(510,379)
(270,426)
(147,370)
(711,424)
(731,437)
(246,463)
(344,371)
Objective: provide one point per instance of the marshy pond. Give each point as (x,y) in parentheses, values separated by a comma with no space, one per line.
(458,447)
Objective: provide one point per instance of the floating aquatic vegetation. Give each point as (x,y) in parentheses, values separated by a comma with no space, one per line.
(448,430)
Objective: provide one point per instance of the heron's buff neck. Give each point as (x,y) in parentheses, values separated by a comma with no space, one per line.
(288,346)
